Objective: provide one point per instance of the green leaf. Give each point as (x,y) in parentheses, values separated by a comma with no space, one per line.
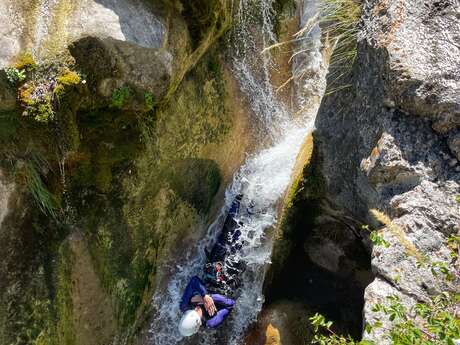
(368,328)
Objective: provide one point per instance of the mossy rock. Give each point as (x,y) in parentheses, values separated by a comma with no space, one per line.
(195,181)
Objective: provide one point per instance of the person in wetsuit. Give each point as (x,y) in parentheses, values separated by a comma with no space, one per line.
(222,268)
(200,307)
(205,301)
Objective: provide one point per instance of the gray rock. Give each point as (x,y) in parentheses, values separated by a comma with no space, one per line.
(377,292)
(454,144)
(421,42)
(47,27)
(374,157)
(112,63)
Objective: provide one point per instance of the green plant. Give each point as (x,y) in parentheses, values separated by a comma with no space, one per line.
(149,100)
(46,201)
(120,95)
(432,323)
(457,198)
(15,75)
(338,20)
(375,237)
(320,323)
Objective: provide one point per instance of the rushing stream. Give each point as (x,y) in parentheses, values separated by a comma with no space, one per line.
(262,179)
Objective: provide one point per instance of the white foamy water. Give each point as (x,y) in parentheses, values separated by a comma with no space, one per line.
(262,180)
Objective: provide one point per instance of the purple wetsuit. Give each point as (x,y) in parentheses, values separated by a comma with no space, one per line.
(224,305)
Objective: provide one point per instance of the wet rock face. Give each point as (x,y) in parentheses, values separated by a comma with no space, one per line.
(390,142)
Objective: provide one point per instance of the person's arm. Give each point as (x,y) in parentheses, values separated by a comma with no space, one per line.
(218,318)
(194,285)
(222,301)
(221,315)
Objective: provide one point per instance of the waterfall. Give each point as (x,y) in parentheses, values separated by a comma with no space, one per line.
(262,179)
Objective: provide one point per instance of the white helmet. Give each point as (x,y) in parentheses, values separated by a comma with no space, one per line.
(190,323)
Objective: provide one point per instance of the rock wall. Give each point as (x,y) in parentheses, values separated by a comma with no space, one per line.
(383,154)
(138,139)
(387,142)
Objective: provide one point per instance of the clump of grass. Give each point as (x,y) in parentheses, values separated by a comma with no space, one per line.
(338,20)
(44,199)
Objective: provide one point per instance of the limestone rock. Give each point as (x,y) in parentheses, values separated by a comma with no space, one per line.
(422,56)
(379,150)
(377,292)
(46,27)
(116,43)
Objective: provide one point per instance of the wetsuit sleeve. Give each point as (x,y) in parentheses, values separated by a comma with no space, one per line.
(194,287)
(221,302)
(217,319)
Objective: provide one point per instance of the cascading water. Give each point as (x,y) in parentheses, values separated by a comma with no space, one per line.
(262,180)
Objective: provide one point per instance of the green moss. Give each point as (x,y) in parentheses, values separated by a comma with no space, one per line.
(120,96)
(65,79)
(9,126)
(149,100)
(64,305)
(196,181)
(25,61)
(302,206)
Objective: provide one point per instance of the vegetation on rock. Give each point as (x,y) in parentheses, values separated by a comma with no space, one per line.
(434,322)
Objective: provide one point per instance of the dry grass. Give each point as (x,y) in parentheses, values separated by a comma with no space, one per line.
(338,20)
(399,234)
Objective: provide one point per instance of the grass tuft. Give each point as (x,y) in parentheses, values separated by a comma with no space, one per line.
(44,199)
(338,20)
(399,234)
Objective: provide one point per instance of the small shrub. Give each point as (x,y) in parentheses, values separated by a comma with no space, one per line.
(120,95)
(15,75)
(321,325)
